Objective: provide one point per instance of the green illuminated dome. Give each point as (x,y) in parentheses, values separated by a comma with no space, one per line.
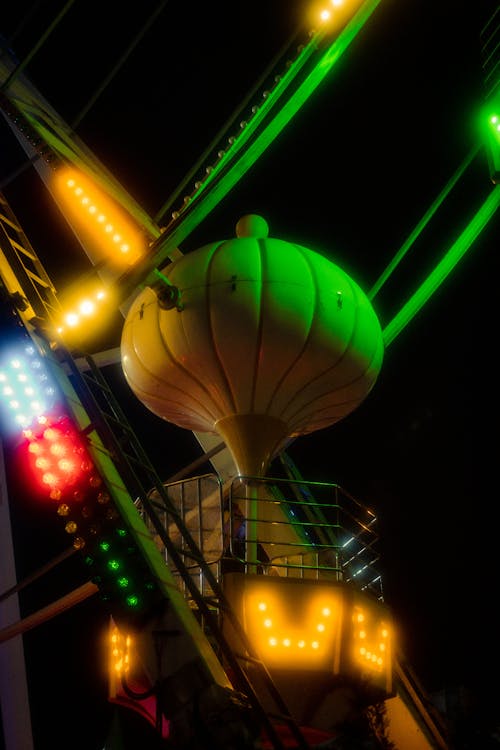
(270,341)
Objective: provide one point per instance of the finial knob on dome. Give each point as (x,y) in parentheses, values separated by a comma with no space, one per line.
(252,225)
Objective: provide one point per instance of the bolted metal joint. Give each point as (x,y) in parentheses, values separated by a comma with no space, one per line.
(168,297)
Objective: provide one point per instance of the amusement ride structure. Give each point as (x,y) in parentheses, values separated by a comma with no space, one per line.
(246,608)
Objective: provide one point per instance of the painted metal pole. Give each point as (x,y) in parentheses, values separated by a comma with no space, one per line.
(16,717)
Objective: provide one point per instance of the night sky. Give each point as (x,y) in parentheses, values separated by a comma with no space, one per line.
(350,177)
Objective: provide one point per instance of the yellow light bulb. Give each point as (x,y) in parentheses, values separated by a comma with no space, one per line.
(72,319)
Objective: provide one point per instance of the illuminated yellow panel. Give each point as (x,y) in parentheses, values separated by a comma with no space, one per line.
(119,651)
(371,640)
(99,219)
(293,624)
(313,627)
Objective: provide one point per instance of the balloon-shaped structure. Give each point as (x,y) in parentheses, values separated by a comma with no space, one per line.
(266,340)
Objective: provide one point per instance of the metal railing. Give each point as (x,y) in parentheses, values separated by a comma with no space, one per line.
(274,526)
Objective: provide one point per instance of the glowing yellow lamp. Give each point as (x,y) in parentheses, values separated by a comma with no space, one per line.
(106,231)
(86,309)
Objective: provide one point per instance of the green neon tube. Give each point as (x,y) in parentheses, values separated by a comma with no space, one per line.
(443,268)
(407,244)
(200,207)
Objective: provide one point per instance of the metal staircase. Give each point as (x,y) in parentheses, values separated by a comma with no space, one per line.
(182,552)
(93,402)
(22,273)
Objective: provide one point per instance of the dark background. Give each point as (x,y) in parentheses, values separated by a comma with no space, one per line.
(350,177)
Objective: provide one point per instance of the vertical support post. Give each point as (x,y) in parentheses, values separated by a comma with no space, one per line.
(16,718)
(251,525)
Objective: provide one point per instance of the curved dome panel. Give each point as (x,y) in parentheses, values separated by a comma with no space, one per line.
(264,327)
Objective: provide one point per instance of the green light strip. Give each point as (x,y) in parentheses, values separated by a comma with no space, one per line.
(294,103)
(199,210)
(405,247)
(443,268)
(263,111)
(320,70)
(253,123)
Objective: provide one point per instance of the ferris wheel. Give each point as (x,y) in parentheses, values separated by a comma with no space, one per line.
(187,373)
